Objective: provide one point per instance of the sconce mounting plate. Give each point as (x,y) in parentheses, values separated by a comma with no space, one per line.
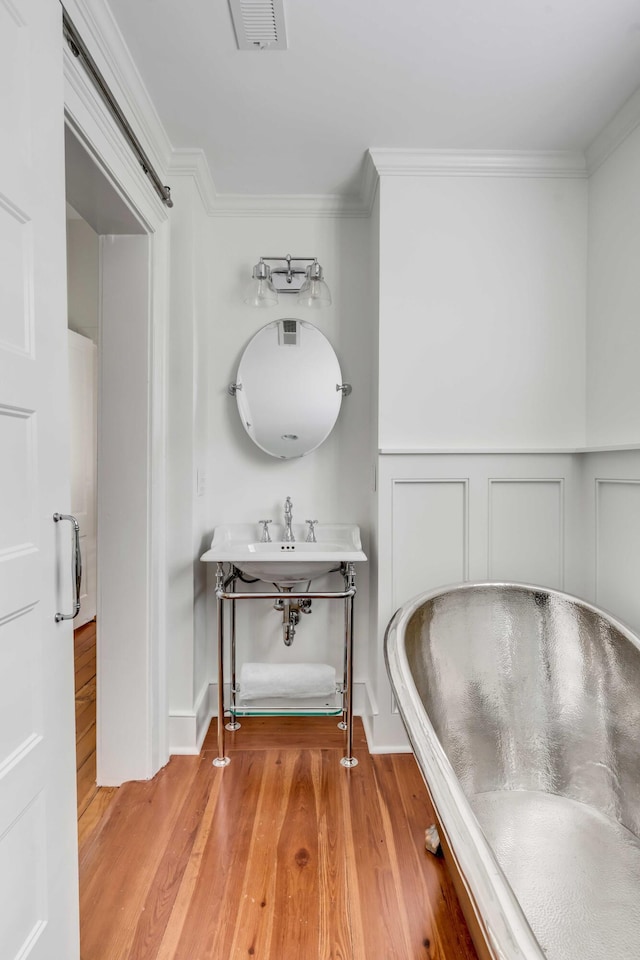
(288,273)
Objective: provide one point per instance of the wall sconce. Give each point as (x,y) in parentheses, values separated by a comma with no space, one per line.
(300,275)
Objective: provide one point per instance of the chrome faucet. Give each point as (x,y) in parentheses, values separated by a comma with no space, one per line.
(288,536)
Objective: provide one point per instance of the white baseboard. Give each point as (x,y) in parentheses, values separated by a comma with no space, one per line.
(188,729)
(389,748)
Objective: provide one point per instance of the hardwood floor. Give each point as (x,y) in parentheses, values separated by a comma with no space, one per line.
(92,800)
(282,855)
(85,668)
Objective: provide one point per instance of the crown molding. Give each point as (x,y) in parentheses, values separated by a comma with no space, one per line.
(369,181)
(626,120)
(97,26)
(477,163)
(194,163)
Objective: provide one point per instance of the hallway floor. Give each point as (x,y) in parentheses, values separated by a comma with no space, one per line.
(282,855)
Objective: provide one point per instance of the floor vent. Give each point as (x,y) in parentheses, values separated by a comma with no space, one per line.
(259,24)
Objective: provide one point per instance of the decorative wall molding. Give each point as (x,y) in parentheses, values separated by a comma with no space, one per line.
(194,163)
(477,163)
(621,556)
(416,550)
(530,511)
(506,451)
(614,133)
(21,275)
(369,182)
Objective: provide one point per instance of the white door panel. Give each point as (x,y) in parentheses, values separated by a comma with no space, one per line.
(38,856)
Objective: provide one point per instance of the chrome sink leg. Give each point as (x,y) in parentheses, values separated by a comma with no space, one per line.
(233,722)
(350,581)
(220,760)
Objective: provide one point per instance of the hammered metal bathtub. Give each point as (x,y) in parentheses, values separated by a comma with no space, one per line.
(522,705)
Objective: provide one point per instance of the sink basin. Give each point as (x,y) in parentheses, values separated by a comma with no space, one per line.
(282,562)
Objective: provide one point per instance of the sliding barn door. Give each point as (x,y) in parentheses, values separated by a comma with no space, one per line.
(38,860)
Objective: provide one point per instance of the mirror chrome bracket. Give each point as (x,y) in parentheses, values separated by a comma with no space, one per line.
(233,388)
(345,388)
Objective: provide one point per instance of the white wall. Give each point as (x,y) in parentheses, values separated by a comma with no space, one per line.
(613,331)
(83,276)
(124,708)
(187,387)
(482,311)
(334,482)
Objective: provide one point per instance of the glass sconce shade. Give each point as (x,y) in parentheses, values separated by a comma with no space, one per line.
(260,291)
(314,292)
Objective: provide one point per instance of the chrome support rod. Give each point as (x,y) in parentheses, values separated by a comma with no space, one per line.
(326,595)
(349,760)
(220,760)
(79,50)
(233,722)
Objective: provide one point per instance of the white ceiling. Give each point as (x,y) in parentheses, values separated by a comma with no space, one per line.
(430,74)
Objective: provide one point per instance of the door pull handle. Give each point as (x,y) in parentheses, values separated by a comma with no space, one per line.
(76,567)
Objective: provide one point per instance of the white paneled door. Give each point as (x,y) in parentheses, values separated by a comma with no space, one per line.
(38,860)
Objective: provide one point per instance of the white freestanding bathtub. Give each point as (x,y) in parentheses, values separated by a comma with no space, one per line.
(522,705)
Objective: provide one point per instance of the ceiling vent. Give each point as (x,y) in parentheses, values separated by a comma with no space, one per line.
(259,24)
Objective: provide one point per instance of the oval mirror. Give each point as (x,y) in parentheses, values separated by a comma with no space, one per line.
(288,388)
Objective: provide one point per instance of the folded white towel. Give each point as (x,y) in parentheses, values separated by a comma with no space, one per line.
(294,680)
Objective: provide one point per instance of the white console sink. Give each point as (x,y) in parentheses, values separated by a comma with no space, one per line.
(283,562)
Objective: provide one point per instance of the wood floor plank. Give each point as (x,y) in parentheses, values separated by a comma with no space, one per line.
(297,892)
(338,934)
(87,693)
(424,879)
(384,928)
(224,861)
(86,783)
(85,716)
(175,925)
(94,814)
(117,868)
(448,932)
(253,929)
(85,669)
(161,897)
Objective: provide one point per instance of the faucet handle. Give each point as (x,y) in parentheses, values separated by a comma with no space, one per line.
(311,532)
(266,536)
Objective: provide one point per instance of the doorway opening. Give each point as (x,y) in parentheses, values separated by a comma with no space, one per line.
(110,344)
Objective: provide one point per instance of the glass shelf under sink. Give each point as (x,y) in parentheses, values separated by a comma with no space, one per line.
(280,706)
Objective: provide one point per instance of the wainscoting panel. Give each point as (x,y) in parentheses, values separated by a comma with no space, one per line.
(22,883)
(617,522)
(449,517)
(16,257)
(430,535)
(526,531)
